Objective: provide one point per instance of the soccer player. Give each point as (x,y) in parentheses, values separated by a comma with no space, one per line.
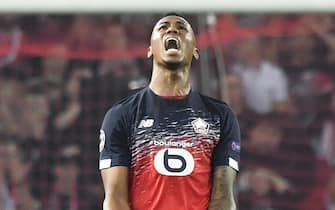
(168,147)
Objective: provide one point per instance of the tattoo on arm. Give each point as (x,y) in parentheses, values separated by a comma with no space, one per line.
(222,195)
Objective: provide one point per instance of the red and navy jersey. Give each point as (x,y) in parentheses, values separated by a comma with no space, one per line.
(170,146)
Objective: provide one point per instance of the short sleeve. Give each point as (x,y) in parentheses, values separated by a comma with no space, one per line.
(227,151)
(114,149)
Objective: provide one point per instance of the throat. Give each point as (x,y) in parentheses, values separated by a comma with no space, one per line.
(172,66)
(177,93)
(168,87)
(165,82)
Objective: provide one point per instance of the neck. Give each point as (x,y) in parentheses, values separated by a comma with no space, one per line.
(166,82)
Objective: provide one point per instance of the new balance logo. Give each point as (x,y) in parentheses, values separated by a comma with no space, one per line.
(146,123)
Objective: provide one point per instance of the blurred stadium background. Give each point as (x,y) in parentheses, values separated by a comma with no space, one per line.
(60,72)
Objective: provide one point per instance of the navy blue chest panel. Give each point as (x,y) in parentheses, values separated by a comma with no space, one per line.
(197,131)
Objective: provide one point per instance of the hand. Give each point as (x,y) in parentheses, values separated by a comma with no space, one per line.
(280,184)
(262,181)
(321,25)
(67,117)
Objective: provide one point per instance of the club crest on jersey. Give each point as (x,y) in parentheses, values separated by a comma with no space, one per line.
(146,123)
(200,126)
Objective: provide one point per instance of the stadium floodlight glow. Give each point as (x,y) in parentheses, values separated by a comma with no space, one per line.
(145,6)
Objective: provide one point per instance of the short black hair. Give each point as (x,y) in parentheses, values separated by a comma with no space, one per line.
(173,14)
(189,18)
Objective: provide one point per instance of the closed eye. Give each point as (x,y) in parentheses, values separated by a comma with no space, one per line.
(162,27)
(182,27)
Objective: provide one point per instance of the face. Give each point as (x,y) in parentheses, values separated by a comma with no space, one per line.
(173,43)
(116,37)
(67,171)
(235,89)
(66,175)
(54,68)
(249,51)
(36,115)
(3,157)
(18,169)
(265,138)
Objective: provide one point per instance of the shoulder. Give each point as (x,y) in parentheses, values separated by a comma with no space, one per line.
(125,106)
(216,106)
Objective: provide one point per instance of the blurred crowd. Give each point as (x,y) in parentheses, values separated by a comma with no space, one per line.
(282,89)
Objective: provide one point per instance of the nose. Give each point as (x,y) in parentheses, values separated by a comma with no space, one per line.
(172,29)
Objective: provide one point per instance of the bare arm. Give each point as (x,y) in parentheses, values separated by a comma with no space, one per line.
(327,37)
(222,196)
(115,180)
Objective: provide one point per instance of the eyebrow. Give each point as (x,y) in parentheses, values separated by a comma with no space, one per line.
(178,21)
(162,23)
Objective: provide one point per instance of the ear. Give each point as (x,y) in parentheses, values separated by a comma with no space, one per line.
(149,52)
(196,53)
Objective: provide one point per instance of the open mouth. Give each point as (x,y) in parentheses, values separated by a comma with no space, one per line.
(172,43)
